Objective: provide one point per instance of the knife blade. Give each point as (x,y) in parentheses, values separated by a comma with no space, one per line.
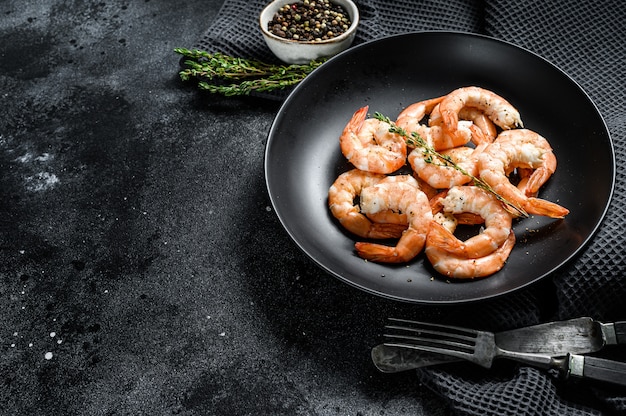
(574,336)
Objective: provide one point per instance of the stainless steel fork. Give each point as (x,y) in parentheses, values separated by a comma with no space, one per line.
(480,347)
(476,346)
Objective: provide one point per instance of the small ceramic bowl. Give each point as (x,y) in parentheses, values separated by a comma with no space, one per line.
(302,52)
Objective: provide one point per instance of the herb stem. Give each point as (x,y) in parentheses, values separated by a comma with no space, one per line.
(228,75)
(415,140)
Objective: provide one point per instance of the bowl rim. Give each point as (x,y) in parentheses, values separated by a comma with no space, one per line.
(353,9)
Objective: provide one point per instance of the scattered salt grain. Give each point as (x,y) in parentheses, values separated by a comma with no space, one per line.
(48,356)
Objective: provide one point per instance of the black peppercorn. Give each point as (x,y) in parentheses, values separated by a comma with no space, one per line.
(310,21)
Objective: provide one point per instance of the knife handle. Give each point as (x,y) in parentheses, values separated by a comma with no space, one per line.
(620,332)
(597,369)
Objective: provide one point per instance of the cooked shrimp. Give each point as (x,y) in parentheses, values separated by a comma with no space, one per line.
(487,128)
(412,115)
(499,110)
(471,199)
(440,175)
(369,146)
(391,216)
(482,121)
(468,268)
(341,196)
(425,187)
(465,218)
(445,220)
(534,153)
(520,148)
(524,175)
(405,199)
(410,119)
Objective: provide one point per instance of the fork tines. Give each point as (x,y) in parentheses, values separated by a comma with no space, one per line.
(429,336)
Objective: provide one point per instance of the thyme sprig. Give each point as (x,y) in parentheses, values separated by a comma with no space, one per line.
(227,75)
(431,155)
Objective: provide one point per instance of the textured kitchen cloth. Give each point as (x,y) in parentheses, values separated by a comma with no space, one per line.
(585,39)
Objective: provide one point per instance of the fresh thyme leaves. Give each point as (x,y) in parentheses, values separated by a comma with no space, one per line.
(229,76)
(415,140)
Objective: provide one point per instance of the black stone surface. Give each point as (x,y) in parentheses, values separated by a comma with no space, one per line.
(142,270)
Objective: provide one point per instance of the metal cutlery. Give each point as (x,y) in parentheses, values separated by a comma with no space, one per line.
(480,348)
(575,336)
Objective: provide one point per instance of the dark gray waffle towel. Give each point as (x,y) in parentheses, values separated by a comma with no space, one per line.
(588,41)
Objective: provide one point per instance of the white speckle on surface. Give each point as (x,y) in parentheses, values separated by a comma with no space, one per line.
(268,208)
(222,334)
(53,334)
(25,158)
(41,181)
(48,355)
(44,157)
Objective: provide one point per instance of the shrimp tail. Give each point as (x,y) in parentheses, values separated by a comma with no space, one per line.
(377,252)
(357,119)
(359,224)
(460,268)
(536,180)
(468,218)
(386,230)
(381,253)
(442,238)
(439,236)
(538,206)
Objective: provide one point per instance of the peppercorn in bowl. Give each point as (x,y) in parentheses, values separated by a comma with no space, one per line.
(298,32)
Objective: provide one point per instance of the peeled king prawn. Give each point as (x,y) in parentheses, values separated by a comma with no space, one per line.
(479,118)
(341,196)
(520,148)
(440,175)
(369,146)
(499,110)
(471,199)
(410,119)
(467,268)
(390,216)
(406,199)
